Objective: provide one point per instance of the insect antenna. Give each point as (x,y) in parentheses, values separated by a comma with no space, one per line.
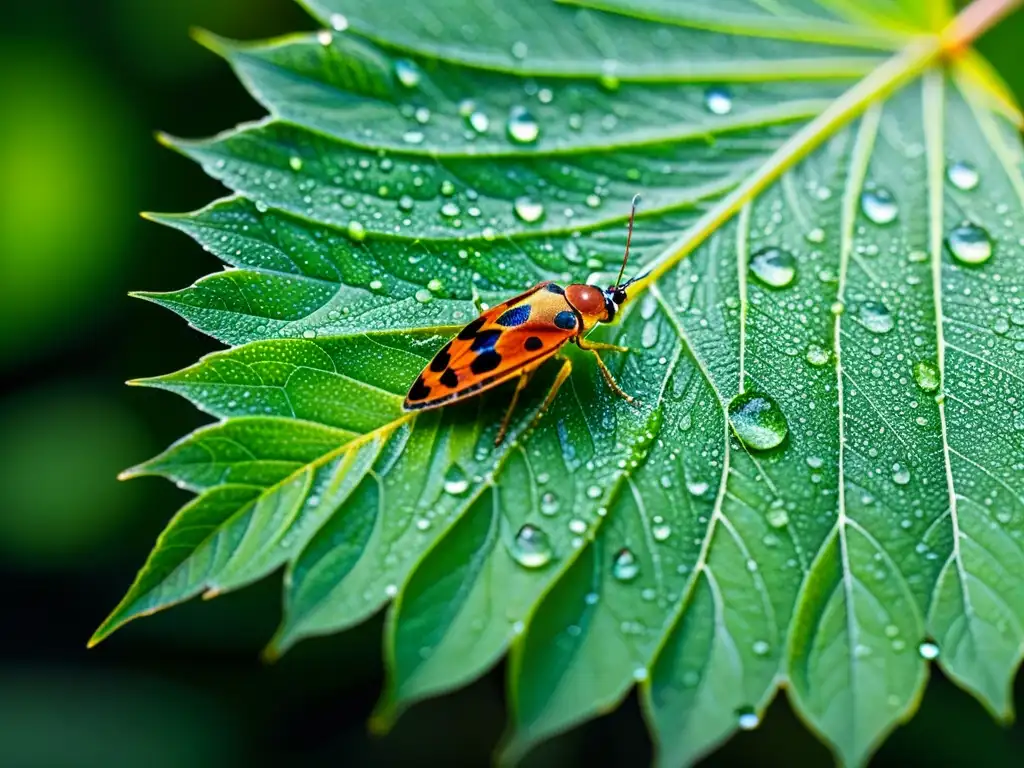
(629,239)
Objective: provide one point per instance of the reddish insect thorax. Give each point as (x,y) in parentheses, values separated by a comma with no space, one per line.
(589,302)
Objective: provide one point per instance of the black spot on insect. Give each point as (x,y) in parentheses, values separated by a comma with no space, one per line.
(553,288)
(515,316)
(441,359)
(449,379)
(419,390)
(470,330)
(487,361)
(532,344)
(565,320)
(485,341)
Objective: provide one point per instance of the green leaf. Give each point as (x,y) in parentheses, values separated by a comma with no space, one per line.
(823,484)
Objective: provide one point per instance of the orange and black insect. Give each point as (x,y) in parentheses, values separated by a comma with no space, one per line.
(513,338)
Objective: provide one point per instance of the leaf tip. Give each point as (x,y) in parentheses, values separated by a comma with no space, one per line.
(210,41)
(382,720)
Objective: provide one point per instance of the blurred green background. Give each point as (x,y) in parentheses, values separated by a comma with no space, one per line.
(82,87)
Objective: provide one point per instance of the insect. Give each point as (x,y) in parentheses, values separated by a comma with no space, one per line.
(512,339)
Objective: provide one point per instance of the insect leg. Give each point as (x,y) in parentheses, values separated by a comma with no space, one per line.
(563,374)
(610,380)
(590,346)
(524,379)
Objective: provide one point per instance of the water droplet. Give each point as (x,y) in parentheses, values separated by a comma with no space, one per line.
(777,517)
(594,492)
(900,474)
(413,137)
(356,231)
(879,205)
(760,648)
(309,333)
(339,23)
(531,548)
(625,567)
(456,482)
(424,296)
(963,175)
(875,316)
(450,210)
(519,49)
(758,420)
(324,37)
(406,203)
(969,244)
(661,531)
(548,504)
(577,526)
(376,285)
(529,210)
(929,651)
(817,355)
(697,488)
(747,719)
(773,266)
(522,127)
(718,101)
(816,235)
(478,121)
(295,162)
(407,72)
(926,374)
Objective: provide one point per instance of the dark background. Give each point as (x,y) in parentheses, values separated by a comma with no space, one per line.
(82,86)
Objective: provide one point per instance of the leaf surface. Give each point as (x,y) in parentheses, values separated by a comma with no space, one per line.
(832,232)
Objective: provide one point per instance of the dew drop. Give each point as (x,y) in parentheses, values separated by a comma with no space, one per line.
(406,203)
(625,566)
(339,23)
(594,492)
(758,420)
(962,175)
(577,526)
(324,37)
(528,210)
(407,72)
(773,266)
(928,651)
(356,231)
(531,548)
(548,504)
(522,126)
(817,355)
(376,285)
(900,474)
(661,531)
(969,244)
(879,205)
(450,210)
(875,316)
(777,517)
(456,482)
(747,719)
(926,374)
(718,101)
(697,487)
(424,296)
(760,648)
(295,162)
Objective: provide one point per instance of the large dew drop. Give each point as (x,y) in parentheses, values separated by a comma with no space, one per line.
(625,567)
(758,420)
(407,72)
(455,481)
(718,101)
(875,316)
(879,205)
(522,126)
(528,210)
(773,266)
(962,175)
(531,548)
(969,244)
(926,374)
